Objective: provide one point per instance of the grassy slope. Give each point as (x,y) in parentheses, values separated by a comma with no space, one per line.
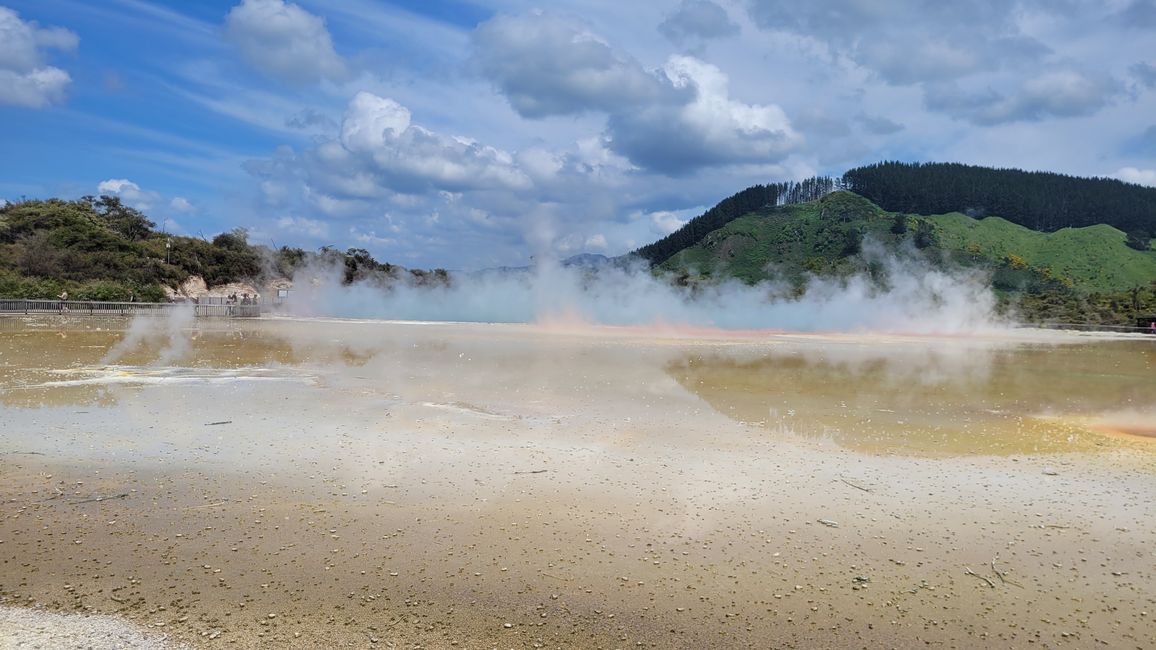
(782,242)
(1094,258)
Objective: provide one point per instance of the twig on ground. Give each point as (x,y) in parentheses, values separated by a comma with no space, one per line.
(534,471)
(213,424)
(1003,575)
(108,498)
(857,487)
(969,572)
(207,505)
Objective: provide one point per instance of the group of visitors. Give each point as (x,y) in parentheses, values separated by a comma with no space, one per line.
(245,299)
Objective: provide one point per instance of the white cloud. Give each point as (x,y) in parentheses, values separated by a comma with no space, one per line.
(25,79)
(147,201)
(303,226)
(596,241)
(1137,176)
(368,119)
(181,204)
(709,128)
(284,41)
(117,185)
(666,222)
(548,65)
(408,157)
(129,192)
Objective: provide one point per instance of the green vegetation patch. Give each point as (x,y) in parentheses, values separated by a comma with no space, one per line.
(1093,258)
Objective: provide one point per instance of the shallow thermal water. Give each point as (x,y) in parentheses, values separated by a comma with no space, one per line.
(327,483)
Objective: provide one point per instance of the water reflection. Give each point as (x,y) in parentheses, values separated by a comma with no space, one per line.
(45,363)
(944,397)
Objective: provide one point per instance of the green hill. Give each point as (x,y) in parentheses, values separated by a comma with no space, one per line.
(1039,200)
(101,249)
(1093,258)
(1073,274)
(824,237)
(785,242)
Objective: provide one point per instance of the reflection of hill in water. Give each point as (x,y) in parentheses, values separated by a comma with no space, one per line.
(939,398)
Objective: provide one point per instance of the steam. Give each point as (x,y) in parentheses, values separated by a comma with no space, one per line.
(916,298)
(166,330)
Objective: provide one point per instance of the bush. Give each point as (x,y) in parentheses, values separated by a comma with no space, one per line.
(1139,240)
(103,290)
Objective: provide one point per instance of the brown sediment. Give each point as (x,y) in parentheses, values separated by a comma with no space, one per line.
(399,495)
(1144,430)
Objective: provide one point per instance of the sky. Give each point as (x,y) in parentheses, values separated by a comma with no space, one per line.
(472,134)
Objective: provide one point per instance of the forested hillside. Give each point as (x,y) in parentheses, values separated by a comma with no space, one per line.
(733,207)
(1082,275)
(98,248)
(1038,200)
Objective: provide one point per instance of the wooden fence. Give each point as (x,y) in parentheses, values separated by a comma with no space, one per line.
(93,308)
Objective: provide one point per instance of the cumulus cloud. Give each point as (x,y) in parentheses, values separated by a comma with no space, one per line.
(25,78)
(408,157)
(1060,93)
(181,204)
(673,120)
(284,41)
(709,128)
(129,192)
(549,65)
(304,226)
(1137,176)
(666,221)
(908,41)
(697,20)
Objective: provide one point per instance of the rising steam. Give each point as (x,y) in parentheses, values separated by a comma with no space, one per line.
(168,331)
(917,299)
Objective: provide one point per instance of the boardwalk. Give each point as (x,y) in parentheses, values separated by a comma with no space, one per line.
(93,308)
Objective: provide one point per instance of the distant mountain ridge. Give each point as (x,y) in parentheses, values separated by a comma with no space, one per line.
(581,260)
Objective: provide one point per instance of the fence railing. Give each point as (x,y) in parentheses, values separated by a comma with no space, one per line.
(95,308)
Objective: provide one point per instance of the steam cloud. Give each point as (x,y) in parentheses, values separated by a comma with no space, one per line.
(917,299)
(167,330)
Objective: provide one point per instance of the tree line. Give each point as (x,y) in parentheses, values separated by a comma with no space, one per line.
(749,200)
(1043,201)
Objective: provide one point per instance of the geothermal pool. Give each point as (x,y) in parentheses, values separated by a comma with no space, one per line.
(313,483)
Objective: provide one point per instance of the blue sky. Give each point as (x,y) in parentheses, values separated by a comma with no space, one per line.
(470,134)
